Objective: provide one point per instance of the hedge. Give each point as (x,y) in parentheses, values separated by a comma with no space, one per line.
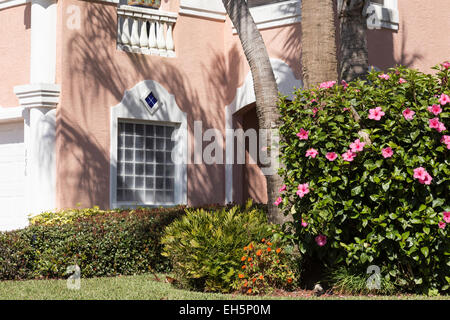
(118,242)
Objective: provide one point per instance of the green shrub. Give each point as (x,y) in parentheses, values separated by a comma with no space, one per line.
(109,244)
(374,208)
(266,266)
(16,256)
(205,245)
(67,215)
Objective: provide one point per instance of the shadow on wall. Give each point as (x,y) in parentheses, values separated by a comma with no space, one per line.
(380,45)
(94,62)
(90,157)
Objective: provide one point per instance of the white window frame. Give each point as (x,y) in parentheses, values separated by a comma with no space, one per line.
(132,109)
(387,15)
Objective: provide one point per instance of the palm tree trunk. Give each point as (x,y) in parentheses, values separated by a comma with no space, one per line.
(354,60)
(265,86)
(319,60)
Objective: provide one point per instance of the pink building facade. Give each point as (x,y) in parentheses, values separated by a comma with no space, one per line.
(101,102)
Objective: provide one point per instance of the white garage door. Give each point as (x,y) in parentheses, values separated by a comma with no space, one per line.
(12,176)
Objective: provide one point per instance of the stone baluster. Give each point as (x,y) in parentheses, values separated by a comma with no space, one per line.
(152,44)
(143,40)
(125,37)
(169,41)
(145,31)
(135,34)
(160,40)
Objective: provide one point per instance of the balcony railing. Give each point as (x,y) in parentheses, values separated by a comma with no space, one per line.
(146,31)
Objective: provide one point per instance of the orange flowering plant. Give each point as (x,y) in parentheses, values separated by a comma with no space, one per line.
(265,266)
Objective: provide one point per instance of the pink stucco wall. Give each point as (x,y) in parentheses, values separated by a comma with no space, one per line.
(422,41)
(94,77)
(14,52)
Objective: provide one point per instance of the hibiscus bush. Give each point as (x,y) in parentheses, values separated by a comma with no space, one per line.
(367,171)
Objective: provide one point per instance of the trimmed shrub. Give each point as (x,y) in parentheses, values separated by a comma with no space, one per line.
(205,245)
(67,215)
(367,173)
(16,256)
(109,244)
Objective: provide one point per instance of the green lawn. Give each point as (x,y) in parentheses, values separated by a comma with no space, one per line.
(139,287)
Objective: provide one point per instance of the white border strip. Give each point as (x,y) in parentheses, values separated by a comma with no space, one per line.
(11,114)
(276,14)
(203,9)
(12,3)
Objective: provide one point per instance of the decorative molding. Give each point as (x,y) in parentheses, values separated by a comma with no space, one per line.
(210,9)
(38,95)
(245,95)
(276,14)
(132,108)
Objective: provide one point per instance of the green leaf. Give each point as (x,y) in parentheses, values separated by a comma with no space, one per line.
(424,251)
(356,191)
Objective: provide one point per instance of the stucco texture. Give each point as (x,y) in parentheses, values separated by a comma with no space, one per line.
(14,52)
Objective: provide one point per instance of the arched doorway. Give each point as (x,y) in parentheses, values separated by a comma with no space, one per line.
(246,180)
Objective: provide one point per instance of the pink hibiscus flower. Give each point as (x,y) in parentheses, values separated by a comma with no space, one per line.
(283,188)
(302,189)
(303,134)
(447,216)
(422,175)
(408,114)
(327,84)
(401,80)
(321,240)
(331,156)
(436,124)
(311,153)
(441,224)
(419,173)
(344,84)
(446,65)
(376,113)
(435,109)
(384,76)
(444,99)
(278,201)
(387,152)
(446,139)
(348,156)
(357,146)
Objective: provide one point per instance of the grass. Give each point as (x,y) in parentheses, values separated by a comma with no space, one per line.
(140,287)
